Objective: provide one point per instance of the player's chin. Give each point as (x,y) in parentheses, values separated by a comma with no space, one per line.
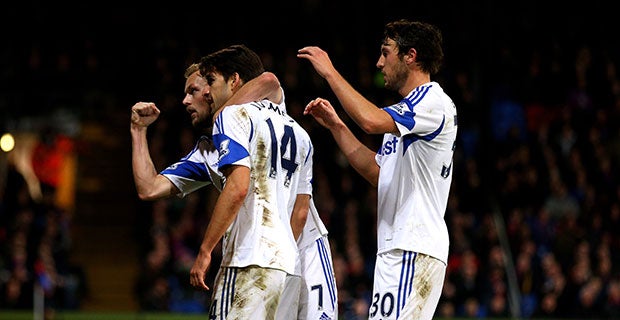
(201,122)
(195,121)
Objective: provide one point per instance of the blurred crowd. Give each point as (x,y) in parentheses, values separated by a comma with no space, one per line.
(36,269)
(534,213)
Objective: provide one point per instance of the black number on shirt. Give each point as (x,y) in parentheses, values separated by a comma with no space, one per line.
(386,307)
(319,288)
(287,143)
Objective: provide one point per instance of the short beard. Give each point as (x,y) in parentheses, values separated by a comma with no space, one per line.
(398,79)
(203,125)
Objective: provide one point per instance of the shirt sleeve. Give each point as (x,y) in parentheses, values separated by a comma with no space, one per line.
(232,133)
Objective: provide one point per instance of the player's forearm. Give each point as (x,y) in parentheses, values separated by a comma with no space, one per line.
(265,86)
(227,205)
(224,213)
(144,172)
(361,158)
(300,214)
(363,112)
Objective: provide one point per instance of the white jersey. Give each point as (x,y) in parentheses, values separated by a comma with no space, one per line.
(261,136)
(196,170)
(415,175)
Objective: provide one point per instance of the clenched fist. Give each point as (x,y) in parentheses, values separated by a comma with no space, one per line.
(143,114)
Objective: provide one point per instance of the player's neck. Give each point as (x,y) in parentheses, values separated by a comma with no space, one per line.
(414,80)
(217,112)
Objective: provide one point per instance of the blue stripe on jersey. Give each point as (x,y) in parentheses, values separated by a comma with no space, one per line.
(196,147)
(251,130)
(405,285)
(229,150)
(418,93)
(308,155)
(218,124)
(327,270)
(411,138)
(188,169)
(402,112)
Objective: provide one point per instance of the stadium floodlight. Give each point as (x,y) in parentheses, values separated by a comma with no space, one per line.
(7,142)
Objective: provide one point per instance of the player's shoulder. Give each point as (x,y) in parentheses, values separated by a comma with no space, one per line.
(240,111)
(427,96)
(436,91)
(277,108)
(443,99)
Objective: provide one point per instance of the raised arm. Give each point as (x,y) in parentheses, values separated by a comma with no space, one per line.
(367,115)
(149,184)
(361,158)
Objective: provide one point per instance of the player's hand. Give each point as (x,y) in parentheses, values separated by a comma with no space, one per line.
(319,59)
(144,113)
(324,113)
(198,272)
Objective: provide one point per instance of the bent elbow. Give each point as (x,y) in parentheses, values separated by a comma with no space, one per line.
(144,197)
(147,196)
(271,78)
(367,128)
(371,127)
(378,123)
(240,194)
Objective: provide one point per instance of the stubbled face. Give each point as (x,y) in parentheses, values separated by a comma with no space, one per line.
(221,89)
(197,101)
(392,66)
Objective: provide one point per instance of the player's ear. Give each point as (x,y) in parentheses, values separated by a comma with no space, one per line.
(235,79)
(411,56)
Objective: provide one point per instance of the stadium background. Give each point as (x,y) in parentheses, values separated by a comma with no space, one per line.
(534,213)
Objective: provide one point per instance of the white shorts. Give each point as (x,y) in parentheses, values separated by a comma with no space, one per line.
(319,299)
(313,296)
(407,285)
(289,302)
(246,293)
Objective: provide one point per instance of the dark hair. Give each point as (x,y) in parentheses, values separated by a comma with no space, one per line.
(233,59)
(424,37)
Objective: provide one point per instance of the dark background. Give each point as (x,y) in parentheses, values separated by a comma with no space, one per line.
(76,69)
(130,38)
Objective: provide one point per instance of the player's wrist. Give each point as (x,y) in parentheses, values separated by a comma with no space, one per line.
(136,127)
